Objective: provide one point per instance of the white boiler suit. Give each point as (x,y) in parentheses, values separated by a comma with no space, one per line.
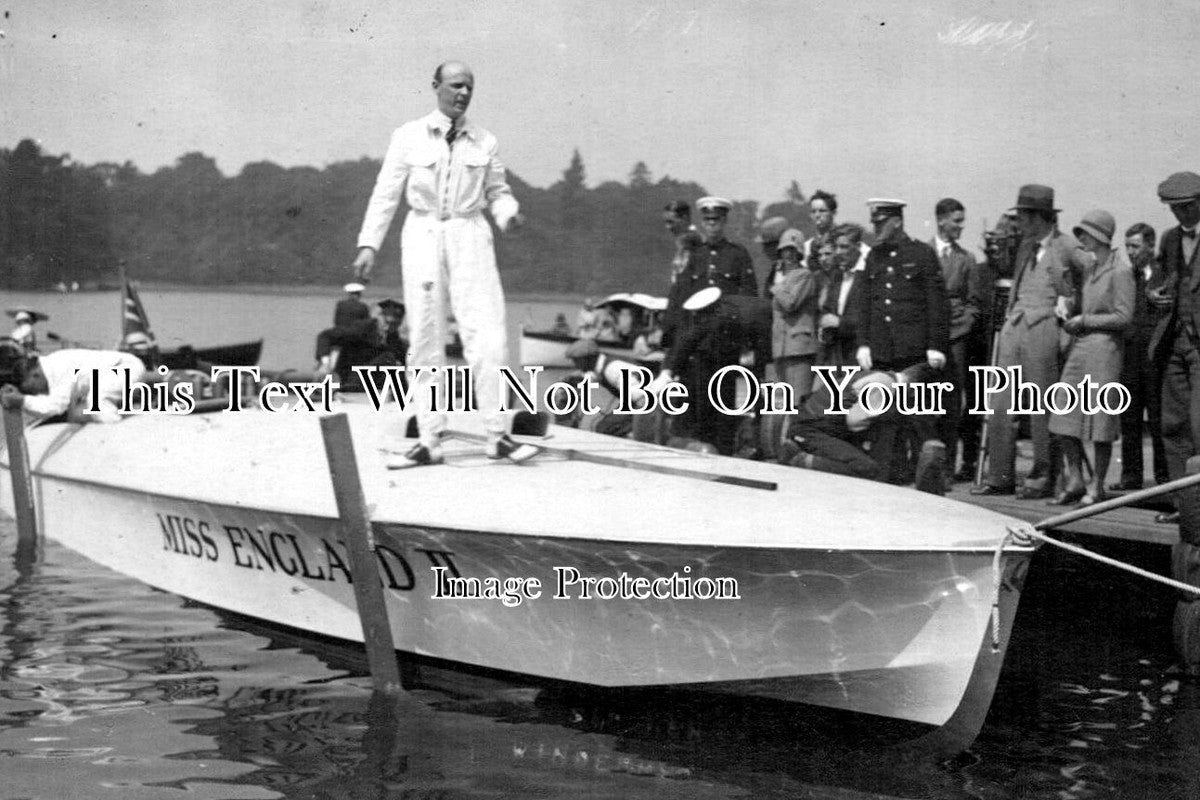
(447,252)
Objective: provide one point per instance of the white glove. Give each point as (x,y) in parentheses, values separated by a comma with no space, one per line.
(863,357)
(658,384)
(936,358)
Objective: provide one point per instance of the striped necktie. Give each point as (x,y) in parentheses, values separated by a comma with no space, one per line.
(452,133)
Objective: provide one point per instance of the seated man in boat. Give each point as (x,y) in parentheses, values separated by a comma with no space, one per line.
(25,319)
(139,344)
(60,383)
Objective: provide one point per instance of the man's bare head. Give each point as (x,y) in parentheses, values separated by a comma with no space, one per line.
(454,84)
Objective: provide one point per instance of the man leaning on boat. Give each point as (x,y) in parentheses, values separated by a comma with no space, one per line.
(62,382)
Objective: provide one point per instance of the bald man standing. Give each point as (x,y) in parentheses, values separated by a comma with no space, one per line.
(453,171)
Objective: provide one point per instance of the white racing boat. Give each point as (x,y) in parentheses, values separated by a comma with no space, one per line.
(823,590)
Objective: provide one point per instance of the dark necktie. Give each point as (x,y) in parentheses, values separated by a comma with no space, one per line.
(833,291)
(452,133)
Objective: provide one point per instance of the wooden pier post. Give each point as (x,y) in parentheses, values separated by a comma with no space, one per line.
(1185,567)
(18,470)
(360,542)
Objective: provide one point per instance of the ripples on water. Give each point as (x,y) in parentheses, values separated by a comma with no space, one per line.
(111,689)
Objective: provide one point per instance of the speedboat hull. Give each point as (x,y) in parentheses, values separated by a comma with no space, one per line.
(876,626)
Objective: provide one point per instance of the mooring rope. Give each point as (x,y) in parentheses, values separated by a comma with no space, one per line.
(1024,536)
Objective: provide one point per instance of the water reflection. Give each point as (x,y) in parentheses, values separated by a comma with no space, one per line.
(108,685)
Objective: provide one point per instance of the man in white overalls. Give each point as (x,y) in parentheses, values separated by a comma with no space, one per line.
(452,170)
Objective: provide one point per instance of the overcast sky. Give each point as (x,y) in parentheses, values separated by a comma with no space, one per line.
(915,100)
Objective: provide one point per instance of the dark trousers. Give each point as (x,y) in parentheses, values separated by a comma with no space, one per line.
(826,452)
(960,425)
(1143,378)
(1181,428)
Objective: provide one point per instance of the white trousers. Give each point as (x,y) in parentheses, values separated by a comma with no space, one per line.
(453,260)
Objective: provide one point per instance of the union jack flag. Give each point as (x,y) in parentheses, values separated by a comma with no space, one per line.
(133,319)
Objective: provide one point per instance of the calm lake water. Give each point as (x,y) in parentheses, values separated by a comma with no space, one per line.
(109,689)
(287,321)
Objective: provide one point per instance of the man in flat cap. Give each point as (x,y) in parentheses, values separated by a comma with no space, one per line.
(1177,338)
(451,171)
(903,320)
(1047,271)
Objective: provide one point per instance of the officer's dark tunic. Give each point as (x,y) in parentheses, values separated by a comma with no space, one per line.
(904,309)
(903,313)
(722,264)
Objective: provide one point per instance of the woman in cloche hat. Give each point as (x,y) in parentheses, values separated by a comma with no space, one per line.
(1096,350)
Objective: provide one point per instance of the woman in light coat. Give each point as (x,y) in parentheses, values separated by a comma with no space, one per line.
(794,326)
(1096,351)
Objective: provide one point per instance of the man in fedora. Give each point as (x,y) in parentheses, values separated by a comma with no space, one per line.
(1048,266)
(1176,337)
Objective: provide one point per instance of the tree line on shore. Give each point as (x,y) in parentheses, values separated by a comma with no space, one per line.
(66,222)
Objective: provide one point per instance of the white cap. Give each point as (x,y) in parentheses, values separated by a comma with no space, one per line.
(702,299)
(353,287)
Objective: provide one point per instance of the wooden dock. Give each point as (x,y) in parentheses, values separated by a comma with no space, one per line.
(1130,524)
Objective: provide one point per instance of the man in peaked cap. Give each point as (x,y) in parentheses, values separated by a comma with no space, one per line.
(350,308)
(1046,274)
(24,319)
(903,319)
(1177,338)
(712,261)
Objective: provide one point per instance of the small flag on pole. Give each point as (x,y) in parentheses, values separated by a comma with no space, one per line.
(135,326)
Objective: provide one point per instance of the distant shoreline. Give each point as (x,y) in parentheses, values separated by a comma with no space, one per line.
(304,290)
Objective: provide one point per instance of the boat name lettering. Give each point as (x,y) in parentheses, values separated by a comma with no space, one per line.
(265,550)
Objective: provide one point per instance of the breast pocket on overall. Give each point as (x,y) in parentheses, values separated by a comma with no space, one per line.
(472,179)
(422,177)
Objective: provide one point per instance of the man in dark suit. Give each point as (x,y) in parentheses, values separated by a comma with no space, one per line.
(903,320)
(1140,374)
(968,291)
(1048,266)
(840,297)
(1177,334)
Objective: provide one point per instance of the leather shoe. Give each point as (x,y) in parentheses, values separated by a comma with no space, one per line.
(1167,517)
(1034,493)
(1068,497)
(987,490)
(504,447)
(1122,486)
(418,456)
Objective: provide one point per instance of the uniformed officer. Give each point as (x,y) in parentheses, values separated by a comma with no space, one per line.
(903,320)
(714,261)
(904,315)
